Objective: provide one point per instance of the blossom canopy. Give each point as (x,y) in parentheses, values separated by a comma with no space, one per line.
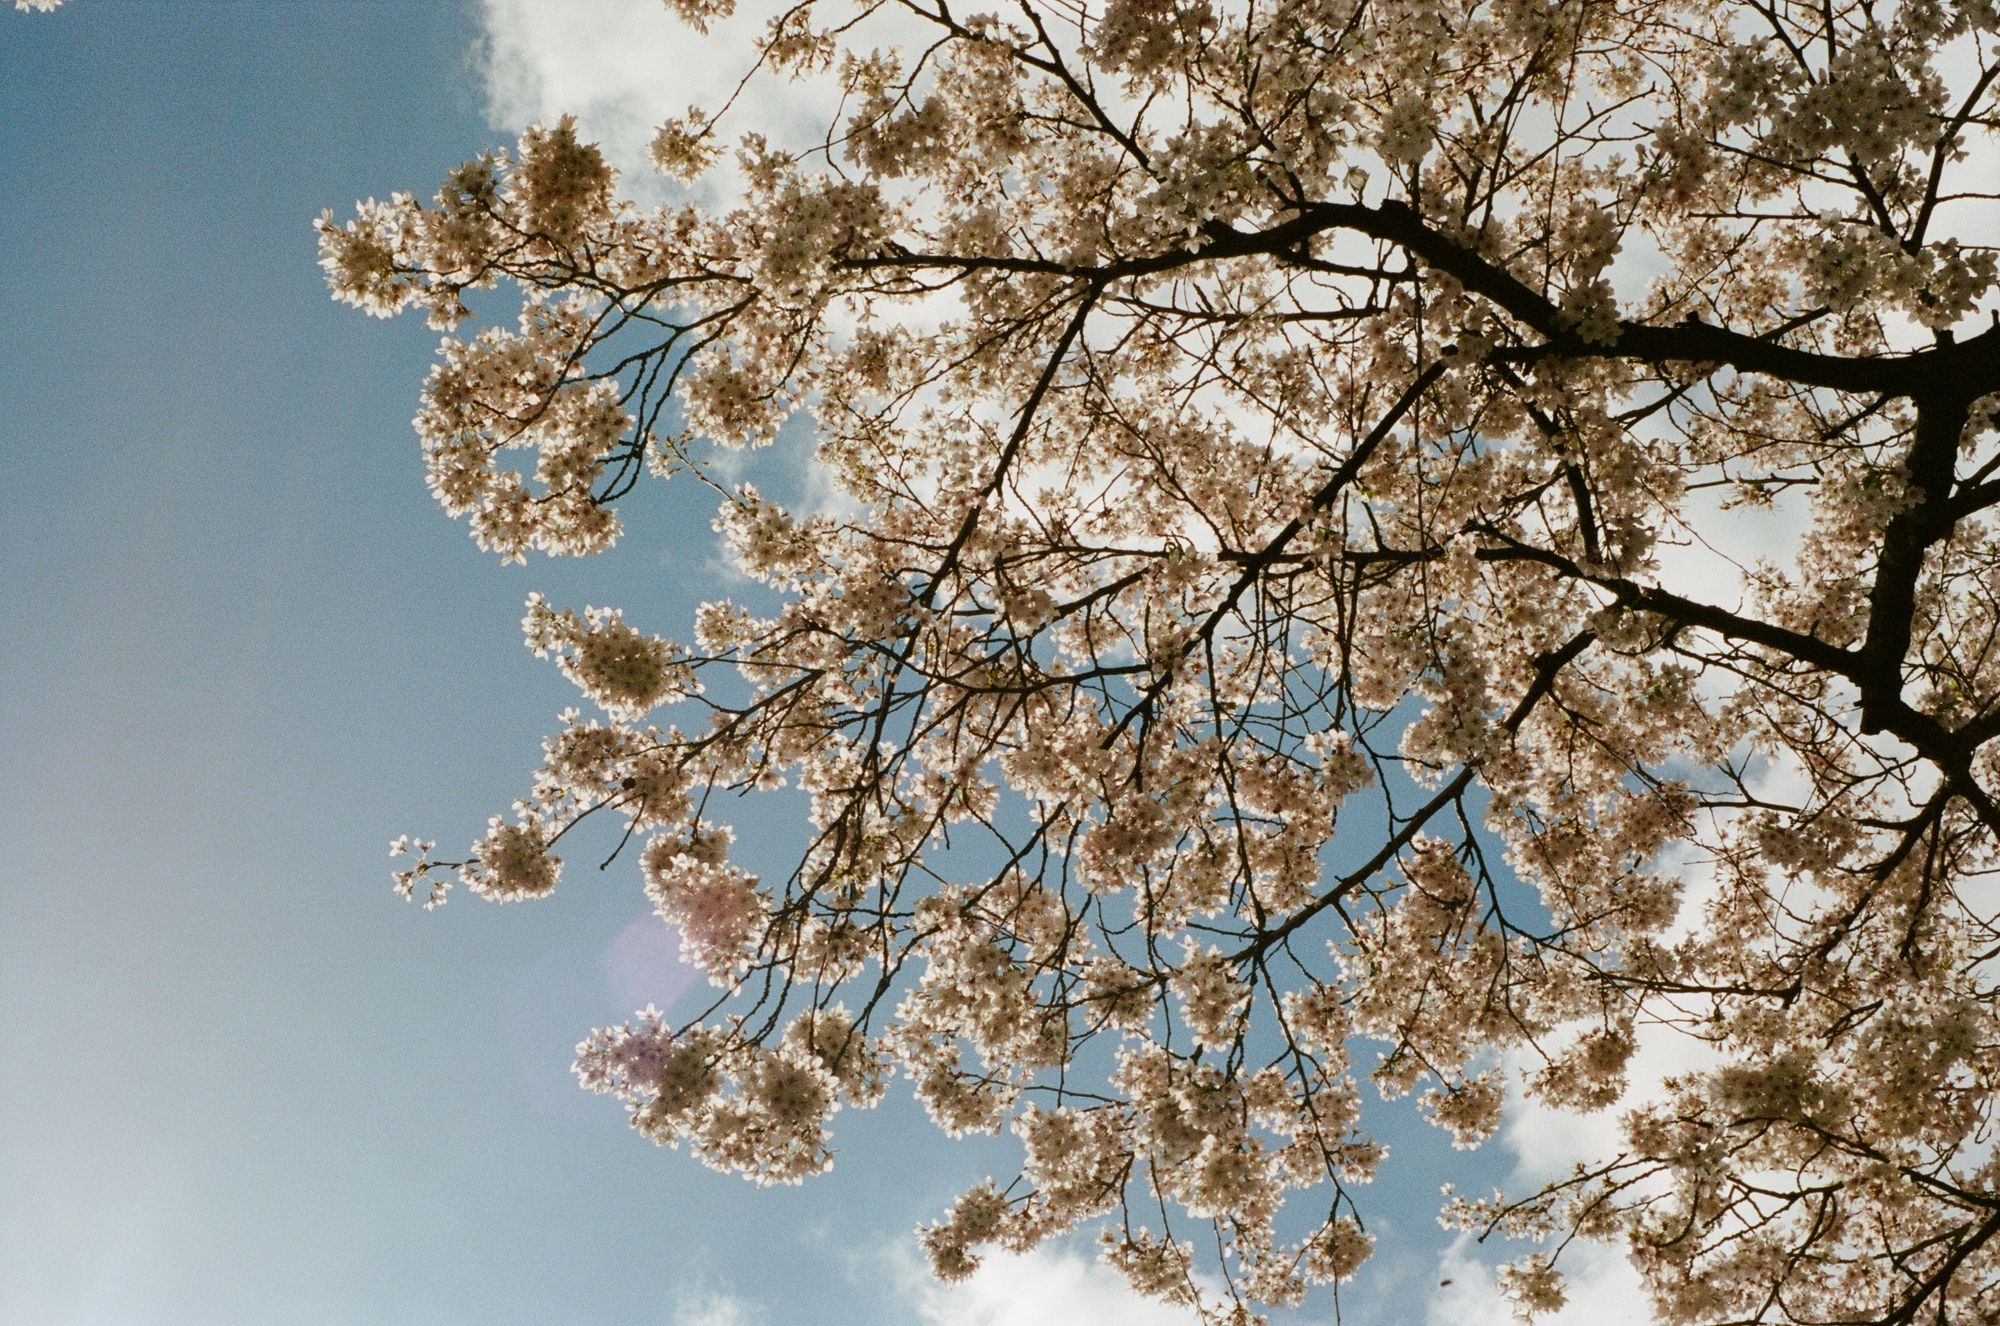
(1279,616)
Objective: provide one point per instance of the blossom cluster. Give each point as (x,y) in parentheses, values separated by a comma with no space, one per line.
(1269,630)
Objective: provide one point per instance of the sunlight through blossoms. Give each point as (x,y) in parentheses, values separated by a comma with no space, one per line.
(1277,629)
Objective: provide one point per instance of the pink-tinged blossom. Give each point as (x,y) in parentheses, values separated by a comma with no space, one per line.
(716,906)
(626,1061)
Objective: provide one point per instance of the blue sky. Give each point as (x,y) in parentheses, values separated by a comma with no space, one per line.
(239,1081)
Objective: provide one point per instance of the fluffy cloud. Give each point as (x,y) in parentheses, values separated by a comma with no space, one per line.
(1602,1286)
(619,66)
(624,66)
(1046,1287)
(711,1308)
(1547,1142)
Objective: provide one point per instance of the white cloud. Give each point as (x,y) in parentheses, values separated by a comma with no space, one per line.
(624,66)
(1602,1286)
(1706,554)
(1045,1287)
(619,66)
(1547,1142)
(709,1307)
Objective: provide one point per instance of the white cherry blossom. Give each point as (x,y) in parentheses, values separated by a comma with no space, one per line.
(1247,654)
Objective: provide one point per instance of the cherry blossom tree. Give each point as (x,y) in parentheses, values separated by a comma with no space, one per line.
(1280,615)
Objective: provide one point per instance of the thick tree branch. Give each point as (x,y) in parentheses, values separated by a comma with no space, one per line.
(1972,365)
(1909,534)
